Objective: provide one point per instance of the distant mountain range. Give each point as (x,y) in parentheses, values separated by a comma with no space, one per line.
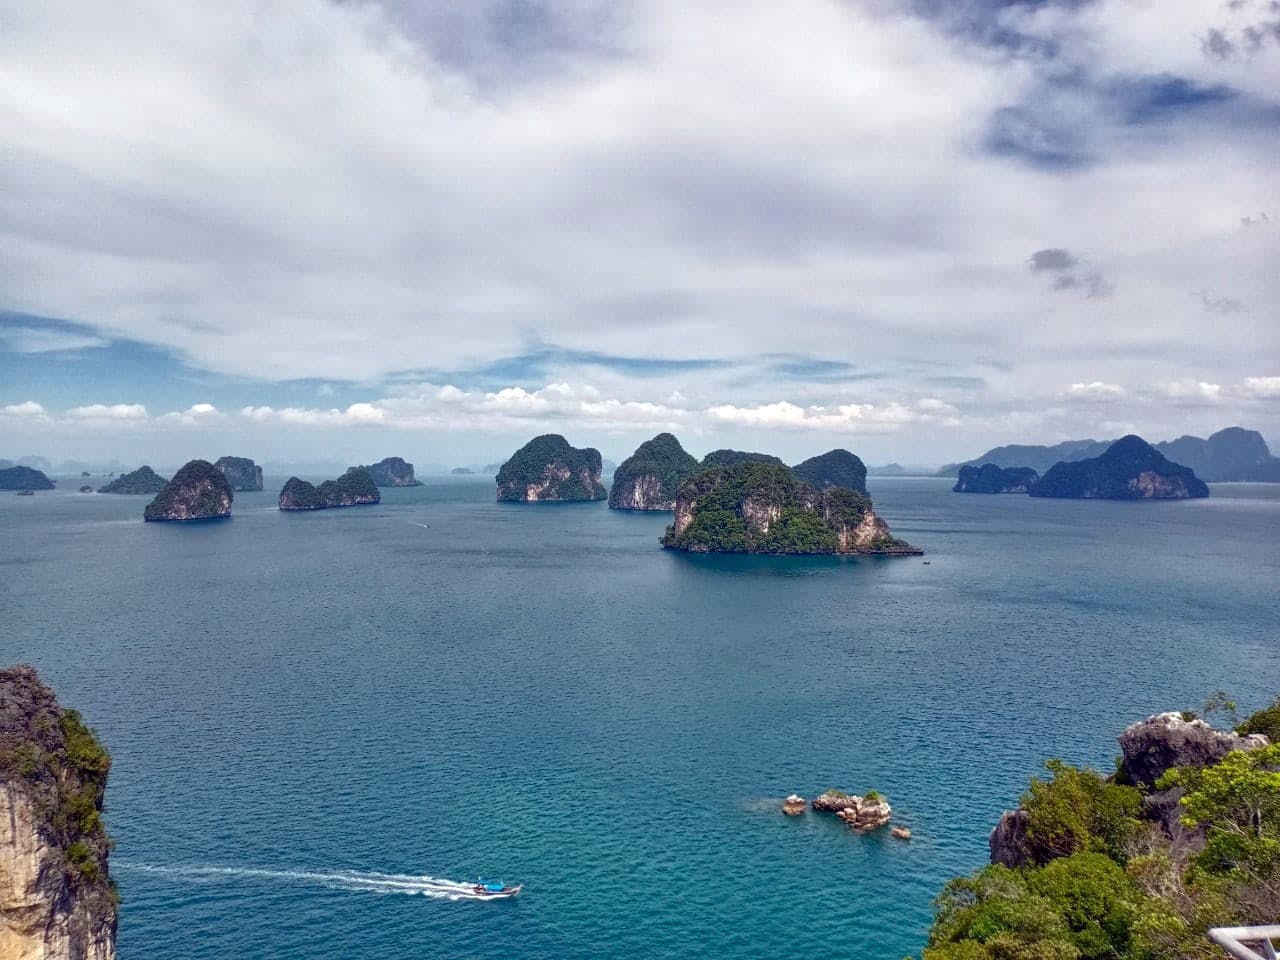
(1231,454)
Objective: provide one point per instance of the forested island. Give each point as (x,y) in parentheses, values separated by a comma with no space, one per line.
(761,507)
(241,472)
(650,477)
(992,479)
(24,478)
(142,480)
(353,489)
(548,469)
(1129,469)
(391,472)
(198,491)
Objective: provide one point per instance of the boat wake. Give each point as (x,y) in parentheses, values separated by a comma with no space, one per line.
(353,881)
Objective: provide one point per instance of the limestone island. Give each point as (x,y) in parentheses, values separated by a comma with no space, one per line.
(731,458)
(198,491)
(354,488)
(142,480)
(1130,469)
(391,472)
(650,478)
(86,489)
(547,469)
(57,901)
(24,478)
(992,479)
(765,508)
(835,468)
(241,472)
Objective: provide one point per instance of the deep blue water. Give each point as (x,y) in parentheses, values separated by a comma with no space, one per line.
(447,687)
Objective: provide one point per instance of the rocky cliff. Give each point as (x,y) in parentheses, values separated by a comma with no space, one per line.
(241,472)
(198,491)
(548,469)
(764,508)
(1130,469)
(57,901)
(353,489)
(992,479)
(1166,740)
(24,478)
(142,480)
(391,472)
(835,468)
(650,477)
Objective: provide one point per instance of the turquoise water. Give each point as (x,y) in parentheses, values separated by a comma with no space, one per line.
(312,715)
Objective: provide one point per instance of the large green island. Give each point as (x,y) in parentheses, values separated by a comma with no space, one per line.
(548,469)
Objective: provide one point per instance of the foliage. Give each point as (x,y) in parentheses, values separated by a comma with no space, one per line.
(142,480)
(1079,811)
(199,486)
(732,458)
(1109,475)
(24,478)
(873,796)
(353,488)
(1265,722)
(570,473)
(835,468)
(990,478)
(1220,702)
(662,457)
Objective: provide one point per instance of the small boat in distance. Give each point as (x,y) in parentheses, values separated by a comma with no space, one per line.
(491,890)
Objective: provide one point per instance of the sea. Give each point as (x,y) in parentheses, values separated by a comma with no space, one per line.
(325,726)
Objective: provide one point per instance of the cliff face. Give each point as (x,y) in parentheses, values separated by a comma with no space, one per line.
(765,508)
(241,472)
(650,478)
(548,469)
(57,901)
(353,489)
(142,480)
(1167,740)
(835,468)
(1131,469)
(391,472)
(24,478)
(992,479)
(198,491)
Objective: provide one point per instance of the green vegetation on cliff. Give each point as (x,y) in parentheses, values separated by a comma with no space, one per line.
(353,488)
(731,458)
(1111,876)
(835,468)
(548,468)
(24,478)
(198,491)
(1130,469)
(662,458)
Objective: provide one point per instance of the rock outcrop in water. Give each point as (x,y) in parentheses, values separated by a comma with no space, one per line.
(548,469)
(860,812)
(353,489)
(57,901)
(198,491)
(241,472)
(992,479)
(835,468)
(1166,740)
(1130,469)
(142,480)
(391,472)
(764,508)
(650,478)
(24,478)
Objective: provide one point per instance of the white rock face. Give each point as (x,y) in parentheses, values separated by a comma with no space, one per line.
(43,914)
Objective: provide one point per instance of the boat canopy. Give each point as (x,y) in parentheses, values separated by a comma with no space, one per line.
(495,887)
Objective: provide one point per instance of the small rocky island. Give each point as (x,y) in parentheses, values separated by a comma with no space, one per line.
(835,468)
(241,472)
(992,479)
(142,480)
(1130,469)
(354,488)
(547,469)
(756,507)
(650,478)
(198,491)
(390,472)
(24,478)
(57,901)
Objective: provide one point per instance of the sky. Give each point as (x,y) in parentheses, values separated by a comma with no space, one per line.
(311,231)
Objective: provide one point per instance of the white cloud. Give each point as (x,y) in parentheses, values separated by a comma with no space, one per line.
(46,340)
(109,411)
(28,408)
(1263,387)
(1096,391)
(1193,390)
(197,413)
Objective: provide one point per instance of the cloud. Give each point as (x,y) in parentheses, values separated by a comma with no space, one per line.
(1053,258)
(196,414)
(1193,390)
(1267,388)
(1097,391)
(853,417)
(41,340)
(112,411)
(28,408)
(1215,303)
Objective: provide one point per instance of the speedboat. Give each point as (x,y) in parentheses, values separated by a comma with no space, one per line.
(492,890)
